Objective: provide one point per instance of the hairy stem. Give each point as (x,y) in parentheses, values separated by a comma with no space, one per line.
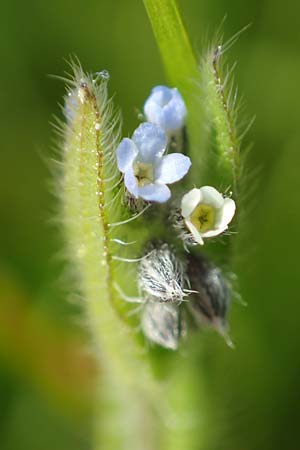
(88,154)
(221,113)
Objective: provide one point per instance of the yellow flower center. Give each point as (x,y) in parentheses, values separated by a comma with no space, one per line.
(203,218)
(143,172)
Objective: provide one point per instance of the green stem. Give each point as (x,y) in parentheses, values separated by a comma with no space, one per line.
(181,68)
(223,157)
(88,148)
(172,39)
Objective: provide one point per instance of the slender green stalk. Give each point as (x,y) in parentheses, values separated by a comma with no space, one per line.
(87,194)
(215,160)
(173,42)
(181,68)
(182,71)
(86,217)
(219,97)
(214,150)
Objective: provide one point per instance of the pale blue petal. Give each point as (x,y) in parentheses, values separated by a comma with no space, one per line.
(151,141)
(153,108)
(126,152)
(161,95)
(174,112)
(153,112)
(172,168)
(166,108)
(131,182)
(154,192)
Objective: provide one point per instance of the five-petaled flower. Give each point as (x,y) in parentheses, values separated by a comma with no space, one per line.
(166,108)
(206,212)
(146,171)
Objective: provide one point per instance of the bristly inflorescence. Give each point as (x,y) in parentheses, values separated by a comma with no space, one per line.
(173,287)
(90,186)
(210,299)
(166,277)
(161,276)
(124,191)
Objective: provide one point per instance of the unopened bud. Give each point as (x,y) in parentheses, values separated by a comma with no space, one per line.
(161,324)
(210,301)
(161,275)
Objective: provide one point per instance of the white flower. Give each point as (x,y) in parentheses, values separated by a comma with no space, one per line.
(206,212)
(146,170)
(166,108)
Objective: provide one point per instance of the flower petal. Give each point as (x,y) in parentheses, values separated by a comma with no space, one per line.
(189,202)
(131,182)
(174,112)
(172,168)
(227,213)
(153,107)
(161,95)
(211,196)
(154,192)
(196,235)
(153,112)
(166,108)
(126,152)
(212,233)
(151,141)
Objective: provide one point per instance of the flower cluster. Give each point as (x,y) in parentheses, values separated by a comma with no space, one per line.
(147,169)
(169,280)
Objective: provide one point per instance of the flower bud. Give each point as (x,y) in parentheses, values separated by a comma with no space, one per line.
(165,107)
(210,301)
(161,324)
(161,275)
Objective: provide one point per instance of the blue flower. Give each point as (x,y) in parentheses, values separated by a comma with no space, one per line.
(146,171)
(165,107)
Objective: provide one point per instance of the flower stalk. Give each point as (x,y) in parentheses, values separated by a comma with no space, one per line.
(87,192)
(219,97)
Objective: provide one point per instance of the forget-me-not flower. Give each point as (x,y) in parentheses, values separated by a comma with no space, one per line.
(206,212)
(166,108)
(146,171)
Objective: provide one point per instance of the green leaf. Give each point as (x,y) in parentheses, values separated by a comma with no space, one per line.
(215,155)
(181,68)
(173,42)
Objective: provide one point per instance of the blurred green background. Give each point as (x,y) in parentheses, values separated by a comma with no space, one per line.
(47,378)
